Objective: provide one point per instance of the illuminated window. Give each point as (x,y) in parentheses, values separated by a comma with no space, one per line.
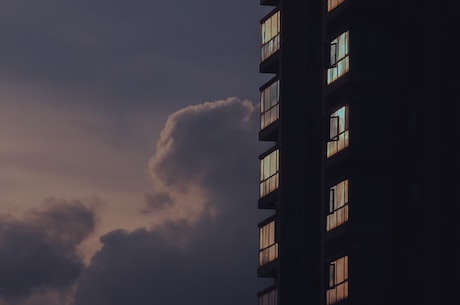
(269,168)
(269,298)
(270,35)
(268,248)
(338,131)
(332,4)
(339,59)
(338,281)
(338,205)
(269,109)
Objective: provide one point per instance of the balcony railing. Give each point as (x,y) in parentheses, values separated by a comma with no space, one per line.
(270,47)
(268,254)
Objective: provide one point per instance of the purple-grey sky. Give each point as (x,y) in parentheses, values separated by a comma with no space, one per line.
(128,152)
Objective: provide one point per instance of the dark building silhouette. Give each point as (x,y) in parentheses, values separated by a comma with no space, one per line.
(362,177)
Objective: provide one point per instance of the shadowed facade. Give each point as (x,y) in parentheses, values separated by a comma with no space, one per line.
(361,173)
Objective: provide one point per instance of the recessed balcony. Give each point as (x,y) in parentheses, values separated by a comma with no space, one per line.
(268,248)
(269,173)
(270,30)
(269,110)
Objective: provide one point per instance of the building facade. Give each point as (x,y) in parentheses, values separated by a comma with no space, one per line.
(362,173)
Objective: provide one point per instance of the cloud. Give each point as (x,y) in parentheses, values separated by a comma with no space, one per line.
(202,153)
(202,246)
(39,250)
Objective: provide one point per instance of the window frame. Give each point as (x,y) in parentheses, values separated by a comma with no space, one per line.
(340,139)
(265,183)
(338,64)
(338,215)
(265,250)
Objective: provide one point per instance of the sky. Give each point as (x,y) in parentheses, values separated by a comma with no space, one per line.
(129,152)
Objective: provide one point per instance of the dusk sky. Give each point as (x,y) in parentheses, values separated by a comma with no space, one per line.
(128,152)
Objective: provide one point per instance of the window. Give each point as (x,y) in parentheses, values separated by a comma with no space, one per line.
(269,109)
(269,168)
(338,281)
(332,4)
(338,131)
(269,298)
(339,61)
(338,205)
(268,248)
(270,35)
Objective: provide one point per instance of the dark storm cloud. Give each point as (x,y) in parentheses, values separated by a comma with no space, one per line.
(132,50)
(204,251)
(39,250)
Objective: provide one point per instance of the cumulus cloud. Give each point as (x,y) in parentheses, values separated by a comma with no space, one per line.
(39,251)
(202,153)
(204,175)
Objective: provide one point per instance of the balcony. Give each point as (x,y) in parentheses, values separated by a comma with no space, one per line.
(269,173)
(268,248)
(269,110)
(270,30)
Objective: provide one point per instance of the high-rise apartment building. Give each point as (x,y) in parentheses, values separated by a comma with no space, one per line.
(361,107)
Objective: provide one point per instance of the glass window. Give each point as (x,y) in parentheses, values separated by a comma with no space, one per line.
(338,281)
(339,59)
(338,205)
(270,35)
(269,169)
(269,298)
(338,131)
(268,248)
(269,109)
(332,4)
